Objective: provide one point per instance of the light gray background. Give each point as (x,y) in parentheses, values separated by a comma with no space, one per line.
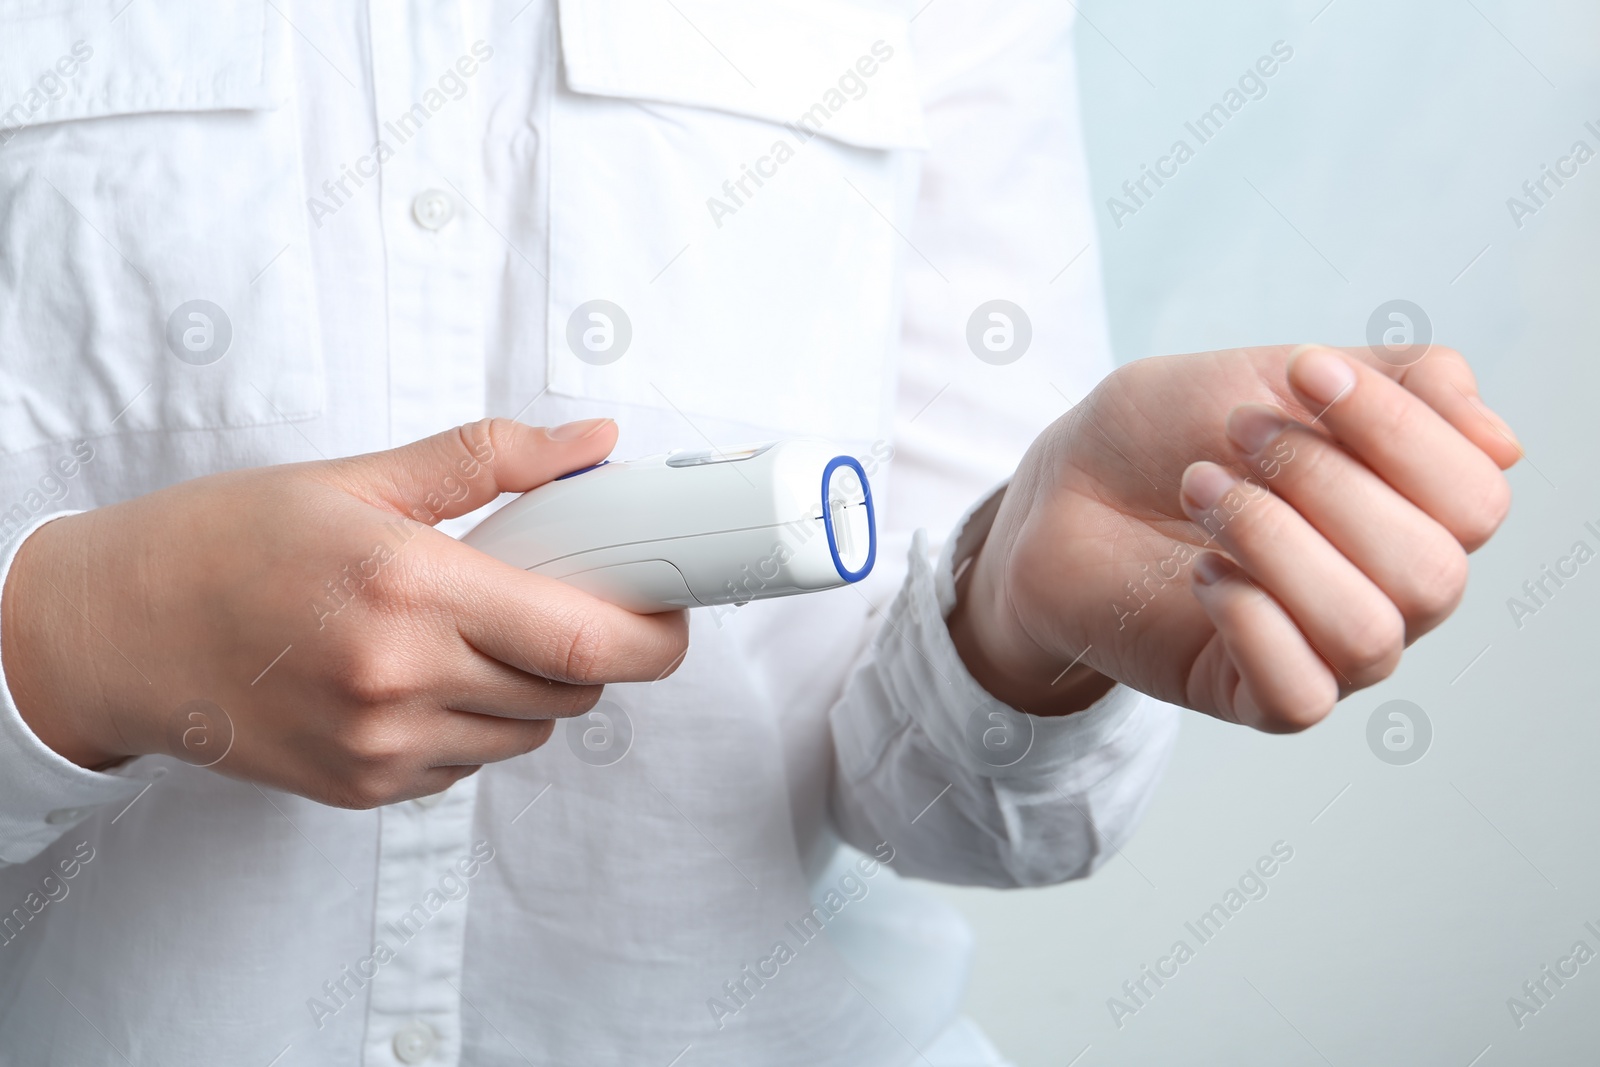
(1425,895)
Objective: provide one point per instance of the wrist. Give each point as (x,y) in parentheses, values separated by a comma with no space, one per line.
(1002,657)
(49,666)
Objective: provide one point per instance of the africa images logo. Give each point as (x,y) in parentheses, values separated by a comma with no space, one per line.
(1252,85)
(851,85)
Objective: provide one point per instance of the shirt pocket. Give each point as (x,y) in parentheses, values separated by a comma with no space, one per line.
(726,184)
(154,263)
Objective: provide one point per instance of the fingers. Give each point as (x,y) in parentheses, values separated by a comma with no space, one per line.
(1264,672)
(437,780)
(1444,381)
(545,627)
(456,744)
(486,686)
(1344,616)
(386,756)
(460,470)
(1411,558)
(463,739)
(1407,442)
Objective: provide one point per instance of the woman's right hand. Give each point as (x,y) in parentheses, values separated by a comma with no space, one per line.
(360,656)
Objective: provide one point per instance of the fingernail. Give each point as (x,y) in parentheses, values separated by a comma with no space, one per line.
(1322,375)
(575,431)
(1210,568)
(1204,484)
(1497,422)
(1252,426)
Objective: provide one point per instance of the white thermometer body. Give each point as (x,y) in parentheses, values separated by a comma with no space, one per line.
(696,528)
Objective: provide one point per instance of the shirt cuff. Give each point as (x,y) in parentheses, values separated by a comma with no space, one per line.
(979,733)
(42,793)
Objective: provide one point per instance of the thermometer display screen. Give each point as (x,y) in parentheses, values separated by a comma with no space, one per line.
(717,455)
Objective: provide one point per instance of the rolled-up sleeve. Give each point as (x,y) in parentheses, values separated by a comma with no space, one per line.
(964,788)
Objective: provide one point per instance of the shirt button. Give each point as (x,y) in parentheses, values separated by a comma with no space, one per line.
(433,209)
(62,816)
(414,1042)
(432,800)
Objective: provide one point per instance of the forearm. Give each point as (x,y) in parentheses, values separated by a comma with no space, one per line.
(43,793)
(52,654)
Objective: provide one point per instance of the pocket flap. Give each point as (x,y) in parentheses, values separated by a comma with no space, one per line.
(61,60)
(826,66)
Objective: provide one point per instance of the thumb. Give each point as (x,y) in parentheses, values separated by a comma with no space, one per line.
(460,470)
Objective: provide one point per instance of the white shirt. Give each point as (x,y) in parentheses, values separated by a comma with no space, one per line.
(398,209)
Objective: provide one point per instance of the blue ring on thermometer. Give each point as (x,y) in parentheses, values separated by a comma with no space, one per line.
(872,519)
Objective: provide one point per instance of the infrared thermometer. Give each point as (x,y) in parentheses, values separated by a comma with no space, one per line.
(696,528)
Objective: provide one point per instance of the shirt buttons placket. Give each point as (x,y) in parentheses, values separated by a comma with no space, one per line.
(433,209)
(415,1042)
